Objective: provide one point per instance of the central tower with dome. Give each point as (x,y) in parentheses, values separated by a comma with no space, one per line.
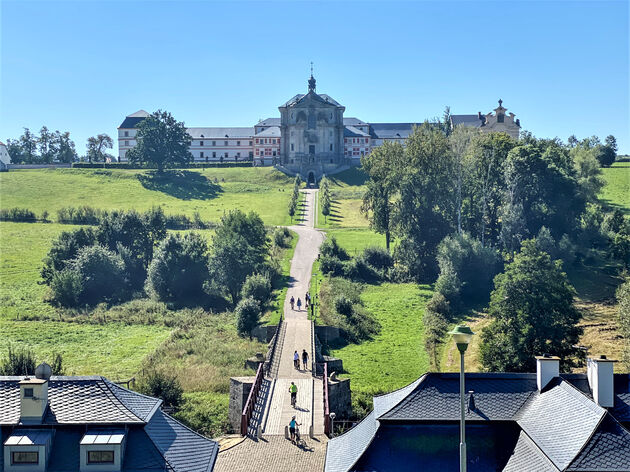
(312,133)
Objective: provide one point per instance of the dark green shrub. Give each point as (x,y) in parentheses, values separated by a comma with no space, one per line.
(435,322)
(102,273)
(247,315)
(83,215)
(281,237)
(65,248)
(359,270)
(164,386)
(330,265)
(378,257)
(66,287)
(179,269)
(330,248)
(258,287)
(19,361)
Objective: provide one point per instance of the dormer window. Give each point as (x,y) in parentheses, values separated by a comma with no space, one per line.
(24,457)
(100,457)
(500,117)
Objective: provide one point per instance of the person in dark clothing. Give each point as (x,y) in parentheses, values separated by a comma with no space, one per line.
(304,359)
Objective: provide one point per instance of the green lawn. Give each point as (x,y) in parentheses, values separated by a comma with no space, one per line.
(355,240)
(616,192)
(272,317)
(211,192)
(396,356)
(346,189)
(114,350)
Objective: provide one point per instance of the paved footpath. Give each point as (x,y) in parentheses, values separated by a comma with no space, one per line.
(273,452)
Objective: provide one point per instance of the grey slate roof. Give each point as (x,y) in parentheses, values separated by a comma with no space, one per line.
(219,133)
(527,457)
(391,130)
(607,450)
(621,409)
(468,120)
(79,400)
(155,441)
(344,451)
(131,121)
(269,122)
(496,397)
(322,97)
(183,449)
(272,131)
(561,441)
(350,121)
(352,132)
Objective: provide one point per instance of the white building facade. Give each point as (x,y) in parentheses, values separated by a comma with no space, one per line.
(311,135)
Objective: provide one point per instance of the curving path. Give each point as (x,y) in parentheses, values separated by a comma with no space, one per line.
(272,452)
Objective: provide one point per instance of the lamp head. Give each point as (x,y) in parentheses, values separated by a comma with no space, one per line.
(462,335)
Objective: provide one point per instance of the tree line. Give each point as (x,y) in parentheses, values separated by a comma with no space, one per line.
(49,147)
(481,212)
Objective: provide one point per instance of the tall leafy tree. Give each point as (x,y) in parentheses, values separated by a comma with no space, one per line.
(97,147)
(66,151)
(424,209)
(162,141)
(588,172)
(532,313)
(47,145)
(28,143)
(378,200)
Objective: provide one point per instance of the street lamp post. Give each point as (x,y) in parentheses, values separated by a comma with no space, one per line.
(462,335)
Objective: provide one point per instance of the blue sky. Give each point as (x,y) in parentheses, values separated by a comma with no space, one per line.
(561,67)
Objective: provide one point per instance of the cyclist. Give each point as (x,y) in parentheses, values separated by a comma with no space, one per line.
(293,390)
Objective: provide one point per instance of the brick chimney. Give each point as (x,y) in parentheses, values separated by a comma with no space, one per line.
(547,369)
(599,371)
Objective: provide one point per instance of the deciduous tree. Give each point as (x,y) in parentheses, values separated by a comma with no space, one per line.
(97,146)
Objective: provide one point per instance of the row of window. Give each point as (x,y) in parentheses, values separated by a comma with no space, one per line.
(266,152)
(225,154)
(356,140)
(32,457)
(225,143)
(267,140)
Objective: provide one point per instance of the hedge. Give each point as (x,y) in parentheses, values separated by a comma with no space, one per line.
(129,165)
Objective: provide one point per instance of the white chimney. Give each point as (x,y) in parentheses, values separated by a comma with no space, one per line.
(599,371)
(33,400)
(547,369)
(34,395)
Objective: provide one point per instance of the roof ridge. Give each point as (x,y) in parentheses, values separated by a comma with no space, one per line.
(158,401)
(588,440)
(105,381)
(535,444)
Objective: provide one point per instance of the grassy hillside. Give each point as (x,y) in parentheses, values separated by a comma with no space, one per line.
(395,356)
(616,192)
(210,192)
(346,190)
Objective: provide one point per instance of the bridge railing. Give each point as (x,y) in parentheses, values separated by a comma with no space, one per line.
(248,409)
(271,353)
(326,404)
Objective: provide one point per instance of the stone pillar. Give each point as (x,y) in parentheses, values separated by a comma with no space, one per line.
(339,398)
(239,391)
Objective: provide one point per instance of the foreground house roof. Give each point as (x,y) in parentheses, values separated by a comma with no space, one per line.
(78,405)
(559,428)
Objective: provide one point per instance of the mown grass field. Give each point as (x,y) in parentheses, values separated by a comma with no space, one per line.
(616,192)
(346,190)
(396,356)
(210,192)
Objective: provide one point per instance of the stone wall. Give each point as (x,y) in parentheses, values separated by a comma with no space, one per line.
(339,398)
(334,364)
(263,334)
(328,334)
(239,391)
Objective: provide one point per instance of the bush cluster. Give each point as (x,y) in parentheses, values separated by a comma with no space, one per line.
(374,264)
(21,361)
(341,306)
(163,386)
(18,214)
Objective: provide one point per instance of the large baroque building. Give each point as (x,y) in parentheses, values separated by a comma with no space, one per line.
(312,137)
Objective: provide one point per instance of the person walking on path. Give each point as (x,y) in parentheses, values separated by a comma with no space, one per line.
(296,360)
(307,300)
(299,304)
(292,301)
(292,427)
(304,358)
(293,391)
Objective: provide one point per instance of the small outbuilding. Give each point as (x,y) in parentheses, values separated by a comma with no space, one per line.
(5,159)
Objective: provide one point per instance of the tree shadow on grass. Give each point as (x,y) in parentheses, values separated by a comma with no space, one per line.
(181,184)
